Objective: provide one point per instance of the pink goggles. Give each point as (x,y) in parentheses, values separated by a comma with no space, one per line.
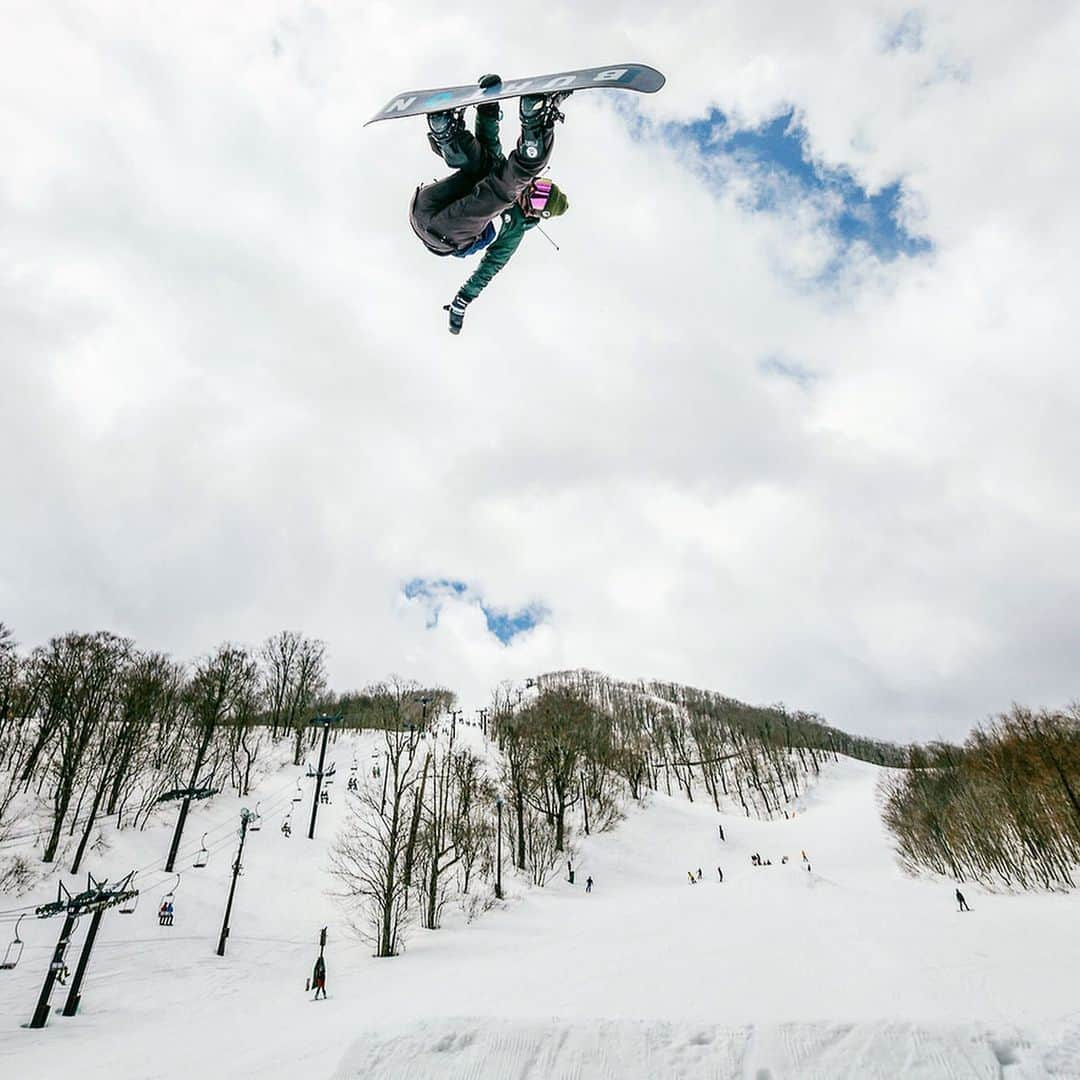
(539,194)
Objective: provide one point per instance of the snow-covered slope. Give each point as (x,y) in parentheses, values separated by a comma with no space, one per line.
(850,970)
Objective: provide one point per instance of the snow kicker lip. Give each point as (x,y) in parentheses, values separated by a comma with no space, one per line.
(637,77)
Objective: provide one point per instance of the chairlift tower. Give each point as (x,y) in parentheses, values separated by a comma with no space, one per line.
(246,817)
(95,900)
(325,722)
(193,793)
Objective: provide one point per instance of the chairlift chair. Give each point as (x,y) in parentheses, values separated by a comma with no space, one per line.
(254,826)
(299,793)
(166,903)
(203,856)
(14,950)
(129,906)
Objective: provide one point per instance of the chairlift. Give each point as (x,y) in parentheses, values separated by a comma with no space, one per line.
(14,950)
(128,907)
(203,856)
(254,825)
(298,797)
(165,907)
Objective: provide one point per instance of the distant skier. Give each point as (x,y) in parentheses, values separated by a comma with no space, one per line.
(961,901)
(318,978)
(454,216)
(699,873)
(720,873)
(690,875)
(721,828)
(588,884)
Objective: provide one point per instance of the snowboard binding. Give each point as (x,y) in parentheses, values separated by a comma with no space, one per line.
(539,113)
(444,136)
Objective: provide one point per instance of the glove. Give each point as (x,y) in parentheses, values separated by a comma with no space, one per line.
(457,307)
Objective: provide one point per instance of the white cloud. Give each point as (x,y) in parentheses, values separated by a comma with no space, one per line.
(230,403)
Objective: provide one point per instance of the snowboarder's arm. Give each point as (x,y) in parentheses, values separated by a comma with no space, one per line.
(498,254)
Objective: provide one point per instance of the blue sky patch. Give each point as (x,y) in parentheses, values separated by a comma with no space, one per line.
(792,370)
(503,622)
(774,156)
(906,34)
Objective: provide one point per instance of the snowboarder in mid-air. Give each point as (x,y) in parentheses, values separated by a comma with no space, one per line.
(455,216)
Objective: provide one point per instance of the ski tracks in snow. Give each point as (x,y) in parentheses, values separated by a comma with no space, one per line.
(476,1049)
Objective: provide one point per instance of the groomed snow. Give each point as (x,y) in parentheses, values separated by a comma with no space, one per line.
(851,970)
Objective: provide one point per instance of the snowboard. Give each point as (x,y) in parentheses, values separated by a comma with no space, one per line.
(638,77)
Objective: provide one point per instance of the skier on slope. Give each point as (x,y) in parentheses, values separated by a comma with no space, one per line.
(454,216)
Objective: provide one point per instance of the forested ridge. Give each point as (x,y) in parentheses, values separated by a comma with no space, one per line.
(97,734)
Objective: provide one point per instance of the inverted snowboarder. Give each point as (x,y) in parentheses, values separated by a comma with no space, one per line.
(455,216)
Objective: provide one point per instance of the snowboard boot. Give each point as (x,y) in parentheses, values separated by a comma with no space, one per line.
(445,131)
(538,115)
(489,108)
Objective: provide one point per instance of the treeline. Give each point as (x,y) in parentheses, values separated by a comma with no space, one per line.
(95,730)
(663,736)
(1003,809)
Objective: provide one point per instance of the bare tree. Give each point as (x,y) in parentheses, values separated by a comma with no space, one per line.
(367,858)
(81,674)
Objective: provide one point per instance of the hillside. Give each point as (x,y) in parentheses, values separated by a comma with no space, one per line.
(850,969)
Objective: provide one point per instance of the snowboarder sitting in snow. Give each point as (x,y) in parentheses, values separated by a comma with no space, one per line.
(454,216)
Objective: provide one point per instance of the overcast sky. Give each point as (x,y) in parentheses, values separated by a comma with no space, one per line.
(792,415)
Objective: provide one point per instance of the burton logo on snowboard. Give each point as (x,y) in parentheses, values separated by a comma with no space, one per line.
(637,77)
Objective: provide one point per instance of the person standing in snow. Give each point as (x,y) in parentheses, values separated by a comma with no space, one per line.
(455,216)
(961,901)
(318,978)
(699,873)
(588,884)
(721,873)
(721,828)
(690,875)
